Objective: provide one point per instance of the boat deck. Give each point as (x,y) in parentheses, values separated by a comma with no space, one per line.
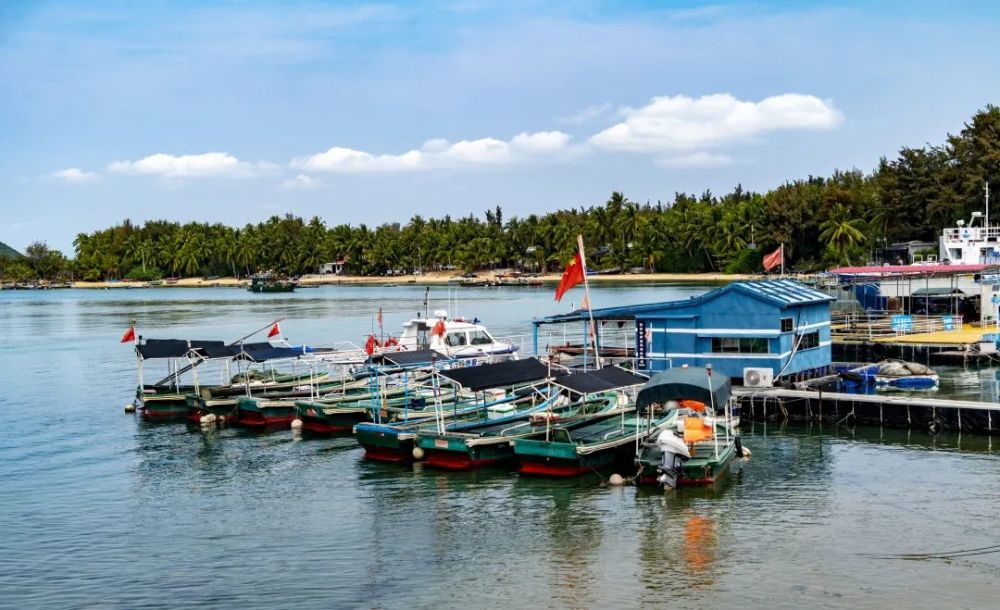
(951,338)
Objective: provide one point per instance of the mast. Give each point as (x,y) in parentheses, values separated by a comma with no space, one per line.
(590,304)
(987,208)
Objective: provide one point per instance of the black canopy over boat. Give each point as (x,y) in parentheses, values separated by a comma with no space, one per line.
(685,384)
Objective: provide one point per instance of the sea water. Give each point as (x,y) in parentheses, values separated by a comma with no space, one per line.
(101,510)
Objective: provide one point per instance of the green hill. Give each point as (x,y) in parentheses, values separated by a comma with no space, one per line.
(8,252)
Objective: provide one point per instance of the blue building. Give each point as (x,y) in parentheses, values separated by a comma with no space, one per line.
(783,325)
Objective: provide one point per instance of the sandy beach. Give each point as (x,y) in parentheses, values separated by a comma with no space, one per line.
(427,279)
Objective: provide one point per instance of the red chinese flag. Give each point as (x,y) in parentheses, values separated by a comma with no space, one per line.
(379,316)
(129,335)
(774,259)
(275,331)
(571,277)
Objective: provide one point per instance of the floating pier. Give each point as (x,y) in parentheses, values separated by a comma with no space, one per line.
(927,413)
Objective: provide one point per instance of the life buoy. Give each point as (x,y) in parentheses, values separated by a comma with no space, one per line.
(371,344)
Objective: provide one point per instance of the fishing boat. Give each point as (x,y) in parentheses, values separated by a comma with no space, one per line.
(166,399)
(597,394)
(478,395)
(595,445)
(391,386)
(268,282)
(698,448)
(263,413)
(273,382)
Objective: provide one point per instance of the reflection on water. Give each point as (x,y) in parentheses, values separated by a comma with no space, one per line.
(99,508)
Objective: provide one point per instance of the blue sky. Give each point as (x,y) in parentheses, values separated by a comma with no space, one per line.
(372,112)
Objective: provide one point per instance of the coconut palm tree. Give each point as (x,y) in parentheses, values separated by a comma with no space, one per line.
(842,230)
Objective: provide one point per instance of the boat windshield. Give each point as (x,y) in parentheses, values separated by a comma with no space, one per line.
(480,337)
(455,339)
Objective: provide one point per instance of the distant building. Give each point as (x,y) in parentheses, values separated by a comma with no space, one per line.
(909,252)
(335,268)
(783,325)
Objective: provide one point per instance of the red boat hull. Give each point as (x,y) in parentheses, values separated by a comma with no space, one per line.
(548,469)
(319,426)
(254,419)
(451,460)
(388,454)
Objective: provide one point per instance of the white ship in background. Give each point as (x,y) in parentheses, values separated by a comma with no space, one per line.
(972,243)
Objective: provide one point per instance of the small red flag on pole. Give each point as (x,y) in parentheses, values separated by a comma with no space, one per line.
(775,258)
(275,331)
(573,275)
(379,316)
(129,335)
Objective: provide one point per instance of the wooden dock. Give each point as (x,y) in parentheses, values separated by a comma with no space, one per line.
(927,413)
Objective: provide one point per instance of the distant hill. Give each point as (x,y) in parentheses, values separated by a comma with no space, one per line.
(8,252)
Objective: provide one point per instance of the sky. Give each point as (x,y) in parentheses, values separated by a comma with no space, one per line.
(374,112)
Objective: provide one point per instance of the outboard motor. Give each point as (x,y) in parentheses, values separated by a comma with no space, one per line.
(674,453)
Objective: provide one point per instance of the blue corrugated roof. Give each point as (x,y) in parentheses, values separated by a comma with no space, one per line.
(782,293)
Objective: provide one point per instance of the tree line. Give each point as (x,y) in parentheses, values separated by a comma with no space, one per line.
(822,221)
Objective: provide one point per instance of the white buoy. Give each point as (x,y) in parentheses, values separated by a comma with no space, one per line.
(418,453)
(208,419)
(616,480)
(746,452)
(130,407)
(296,424)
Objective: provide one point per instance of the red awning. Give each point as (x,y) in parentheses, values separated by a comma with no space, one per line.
(904,269)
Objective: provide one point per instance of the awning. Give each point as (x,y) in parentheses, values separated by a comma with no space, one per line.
(221,351)
(172,348)
(498,375)
(610,378)
(409,358)
(270,353)
(685,384)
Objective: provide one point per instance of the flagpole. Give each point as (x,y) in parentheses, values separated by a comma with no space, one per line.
(590,304)
(782,259)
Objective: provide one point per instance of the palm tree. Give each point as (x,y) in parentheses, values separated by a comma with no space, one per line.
(842,230)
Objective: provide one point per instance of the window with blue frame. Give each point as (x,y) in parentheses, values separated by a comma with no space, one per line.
(739,345)
(809,340)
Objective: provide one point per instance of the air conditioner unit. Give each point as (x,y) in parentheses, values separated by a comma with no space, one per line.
(758,377)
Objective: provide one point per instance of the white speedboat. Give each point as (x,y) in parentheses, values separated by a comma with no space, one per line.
(457,338)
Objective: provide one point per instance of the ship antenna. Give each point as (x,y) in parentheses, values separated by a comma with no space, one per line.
(987,205)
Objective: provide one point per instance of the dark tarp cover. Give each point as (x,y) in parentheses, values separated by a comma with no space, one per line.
(221,351)
(409,358)
(682,384)
(610,378)
(171,348)
(254,351)
(271,353)
(500,374)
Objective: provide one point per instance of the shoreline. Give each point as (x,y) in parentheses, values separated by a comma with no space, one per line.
(430,279)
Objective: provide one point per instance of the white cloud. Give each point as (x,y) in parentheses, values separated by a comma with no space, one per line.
(190,166)
(586,115)
(76,175)
(301,182)
(685,123)
(696,160)
(438,154)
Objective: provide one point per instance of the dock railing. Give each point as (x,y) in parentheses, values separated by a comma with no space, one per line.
(869,326)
